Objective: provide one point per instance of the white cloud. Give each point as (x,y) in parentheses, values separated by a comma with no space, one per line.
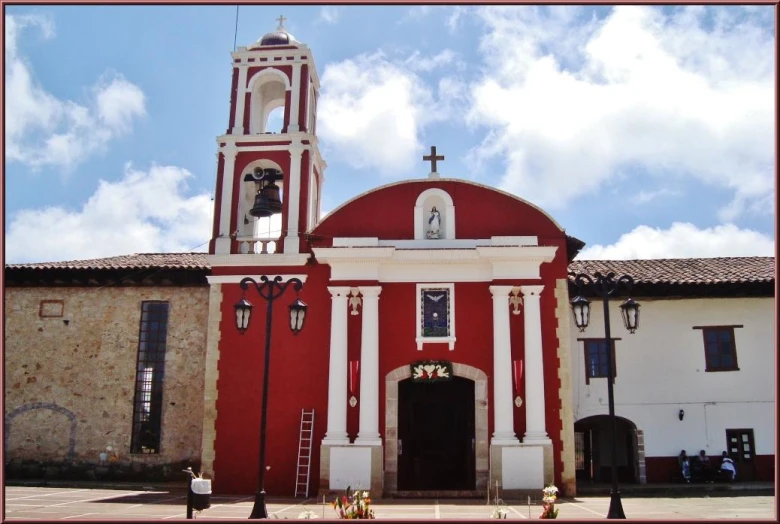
(454,20)
(571,102)
(644,197)
(419,62)
(42,130)
(372,111)
(683,240)
(144,212)
(330,14)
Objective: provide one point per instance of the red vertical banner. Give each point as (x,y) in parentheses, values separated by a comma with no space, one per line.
(518,374)
(354,367)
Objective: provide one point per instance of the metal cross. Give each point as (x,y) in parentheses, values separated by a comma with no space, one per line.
(433,158)
(281,20)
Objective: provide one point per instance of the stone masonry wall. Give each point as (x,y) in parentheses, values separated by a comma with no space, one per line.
(69,382)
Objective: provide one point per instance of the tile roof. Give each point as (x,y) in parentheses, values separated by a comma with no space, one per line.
(685,270)
(135,261)
(651,271)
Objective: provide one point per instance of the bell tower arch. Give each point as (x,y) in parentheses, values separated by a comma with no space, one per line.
(269,182)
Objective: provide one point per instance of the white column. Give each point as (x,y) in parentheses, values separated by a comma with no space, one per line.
(238,122)
(503,416)
(368,433)
(534,367)
(337,369)
(222,245)
(293,193)
(295,99)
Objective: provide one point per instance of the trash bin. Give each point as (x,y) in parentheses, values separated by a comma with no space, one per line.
(201,494)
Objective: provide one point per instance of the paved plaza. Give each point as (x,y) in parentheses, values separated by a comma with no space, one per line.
(51,503)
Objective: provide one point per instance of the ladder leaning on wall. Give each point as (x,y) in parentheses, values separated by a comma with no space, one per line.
(304,453)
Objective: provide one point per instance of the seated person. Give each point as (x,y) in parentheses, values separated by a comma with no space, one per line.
(727,467)
(702,467)
(685,466)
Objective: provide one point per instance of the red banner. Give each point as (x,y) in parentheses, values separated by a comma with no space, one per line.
(354,366)
(518,374)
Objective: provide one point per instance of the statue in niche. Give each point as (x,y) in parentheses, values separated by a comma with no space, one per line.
(434,224)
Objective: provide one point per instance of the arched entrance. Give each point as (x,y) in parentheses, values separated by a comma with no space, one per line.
(593,450)
(405,402)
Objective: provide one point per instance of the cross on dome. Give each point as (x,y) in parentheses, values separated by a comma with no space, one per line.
(281,20)
(432,158)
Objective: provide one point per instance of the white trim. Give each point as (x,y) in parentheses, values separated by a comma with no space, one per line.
(450,340)
(291,239)
(295,99)
(460,243)
(256,259)
(222,244)
(259,78)
(236,279)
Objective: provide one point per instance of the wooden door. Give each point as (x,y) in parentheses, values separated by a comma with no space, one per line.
(742,450)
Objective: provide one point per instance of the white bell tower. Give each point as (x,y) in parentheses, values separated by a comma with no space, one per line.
(256,165)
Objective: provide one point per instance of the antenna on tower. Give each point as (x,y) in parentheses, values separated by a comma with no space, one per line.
(235,33)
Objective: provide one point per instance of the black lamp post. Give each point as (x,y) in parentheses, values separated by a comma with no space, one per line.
(605,287)
(268,290)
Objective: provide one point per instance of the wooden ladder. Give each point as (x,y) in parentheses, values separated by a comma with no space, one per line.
(304,453)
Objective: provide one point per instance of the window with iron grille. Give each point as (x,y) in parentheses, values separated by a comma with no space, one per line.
(720,348)
(596,363)
(149,376)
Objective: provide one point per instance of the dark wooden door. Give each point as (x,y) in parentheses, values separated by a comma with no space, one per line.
(742,450)
(436,435)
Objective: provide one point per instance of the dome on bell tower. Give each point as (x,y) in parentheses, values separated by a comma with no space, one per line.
(278,37)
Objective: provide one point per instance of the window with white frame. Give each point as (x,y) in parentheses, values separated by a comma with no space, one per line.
(435,314)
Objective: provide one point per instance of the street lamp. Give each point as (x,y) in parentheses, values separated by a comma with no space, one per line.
(605,287)
(268,290)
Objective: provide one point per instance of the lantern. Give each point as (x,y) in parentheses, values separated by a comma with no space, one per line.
(580,307)
(297,315)
(630,311)
(243,313)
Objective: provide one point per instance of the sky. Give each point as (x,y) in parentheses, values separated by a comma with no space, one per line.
(646,132)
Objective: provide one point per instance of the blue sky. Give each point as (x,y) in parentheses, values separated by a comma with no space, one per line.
(647,132)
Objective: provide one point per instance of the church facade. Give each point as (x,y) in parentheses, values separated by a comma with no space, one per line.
(438,352)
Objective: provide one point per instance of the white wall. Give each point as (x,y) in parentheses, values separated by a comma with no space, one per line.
(661,369)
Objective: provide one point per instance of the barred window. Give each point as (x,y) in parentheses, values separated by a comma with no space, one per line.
(150,372)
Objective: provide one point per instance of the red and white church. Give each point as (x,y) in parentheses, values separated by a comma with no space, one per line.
(435,352)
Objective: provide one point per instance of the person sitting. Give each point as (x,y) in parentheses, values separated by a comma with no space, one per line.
(685,466)
(727,467)
(703,467)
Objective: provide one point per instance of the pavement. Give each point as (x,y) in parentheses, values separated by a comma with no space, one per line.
(103,504)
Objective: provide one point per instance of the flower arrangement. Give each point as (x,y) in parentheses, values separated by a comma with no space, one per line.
(549,494)
(354,506)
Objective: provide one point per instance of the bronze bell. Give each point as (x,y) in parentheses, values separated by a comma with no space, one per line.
(262,208)
(271,192)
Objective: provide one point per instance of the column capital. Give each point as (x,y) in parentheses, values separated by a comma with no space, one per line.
(370,291)
(531,290)
(230,153)
(501,291)
(339,291)
(296,150)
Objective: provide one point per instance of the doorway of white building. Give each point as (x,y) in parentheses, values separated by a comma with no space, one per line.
(593,450)
(741,449)
(436,439)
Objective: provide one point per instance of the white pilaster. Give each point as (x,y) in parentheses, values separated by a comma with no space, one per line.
(337,369)
(222,244)
(295,99)
(369,368)
(534,367)
(291,242)
(503,417)
(238,122)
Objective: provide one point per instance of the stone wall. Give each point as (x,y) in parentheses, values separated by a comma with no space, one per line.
(70,377)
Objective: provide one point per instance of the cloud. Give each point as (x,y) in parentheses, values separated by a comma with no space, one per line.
(419,62)
(42,130)
(683,240)
(454,20)
(571,101)
(144,212)
(644,197)
(372,111)
(329,14)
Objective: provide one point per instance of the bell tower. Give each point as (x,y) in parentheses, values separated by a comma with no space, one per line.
(269,168)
